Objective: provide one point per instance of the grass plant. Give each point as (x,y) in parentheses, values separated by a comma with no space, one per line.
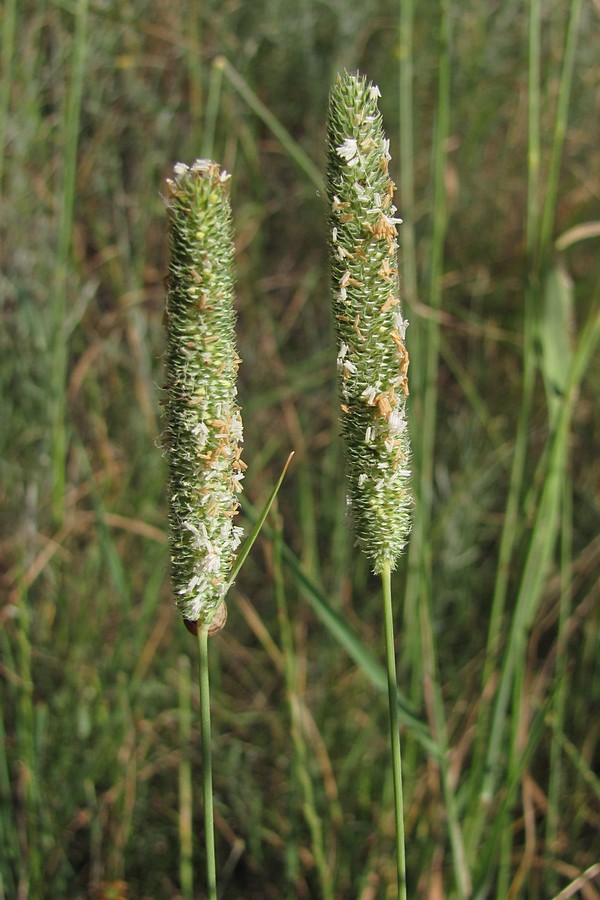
(372,359)
(494,136)
(203,434)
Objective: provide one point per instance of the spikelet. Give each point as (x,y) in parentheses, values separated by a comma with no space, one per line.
(372,358)
(203,423)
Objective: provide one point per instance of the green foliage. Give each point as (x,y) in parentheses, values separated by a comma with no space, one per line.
(498,648)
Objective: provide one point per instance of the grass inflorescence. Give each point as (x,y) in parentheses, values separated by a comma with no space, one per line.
(203,433)
(372,358)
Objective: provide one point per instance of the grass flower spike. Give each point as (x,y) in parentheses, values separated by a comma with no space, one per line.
(372,358)
(203,422)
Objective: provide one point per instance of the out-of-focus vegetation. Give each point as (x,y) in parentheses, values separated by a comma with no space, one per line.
(496,147)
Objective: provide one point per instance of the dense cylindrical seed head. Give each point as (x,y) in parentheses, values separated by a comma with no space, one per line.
(372,357)
(203,431)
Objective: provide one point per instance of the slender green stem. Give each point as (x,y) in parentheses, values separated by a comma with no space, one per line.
(425,354)
(390,658)
(560,125)
(209,825)
(211,112)
(186,871)
(193,52)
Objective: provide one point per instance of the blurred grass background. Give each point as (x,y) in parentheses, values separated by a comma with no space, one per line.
(499,140)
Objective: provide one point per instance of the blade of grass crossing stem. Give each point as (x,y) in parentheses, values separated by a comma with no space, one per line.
(293,149)
(207,781)
(347,639)
(357,651)
(248,543)
(390,658)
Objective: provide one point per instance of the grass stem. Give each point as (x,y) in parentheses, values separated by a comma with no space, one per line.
(207,789)
(186,870)
(390,658)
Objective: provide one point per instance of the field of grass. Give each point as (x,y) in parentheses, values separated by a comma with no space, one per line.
(491,108)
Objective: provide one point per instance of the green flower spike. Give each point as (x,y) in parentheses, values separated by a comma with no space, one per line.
(203,423)
(372,358)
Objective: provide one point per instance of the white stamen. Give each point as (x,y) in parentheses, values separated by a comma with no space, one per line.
(349,151)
